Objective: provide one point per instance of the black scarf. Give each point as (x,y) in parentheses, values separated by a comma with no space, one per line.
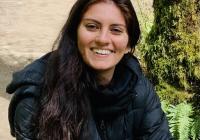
(113,99)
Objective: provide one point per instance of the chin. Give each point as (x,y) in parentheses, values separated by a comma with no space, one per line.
(101,67)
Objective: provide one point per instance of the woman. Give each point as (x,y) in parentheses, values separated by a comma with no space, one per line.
(90,87)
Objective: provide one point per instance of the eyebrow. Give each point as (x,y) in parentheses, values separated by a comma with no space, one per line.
(115,24)
(90,19)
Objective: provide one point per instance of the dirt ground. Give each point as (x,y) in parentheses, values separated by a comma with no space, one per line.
(28,29)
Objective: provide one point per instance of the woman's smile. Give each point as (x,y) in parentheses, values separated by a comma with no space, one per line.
(102,51)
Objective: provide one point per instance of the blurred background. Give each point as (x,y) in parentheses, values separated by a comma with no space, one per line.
(28,29)
(169,52)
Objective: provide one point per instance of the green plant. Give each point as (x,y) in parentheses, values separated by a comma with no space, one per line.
(184,123)
(172,94)
(171,50)
(195,130)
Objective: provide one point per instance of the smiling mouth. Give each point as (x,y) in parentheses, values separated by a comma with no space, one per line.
(102,51)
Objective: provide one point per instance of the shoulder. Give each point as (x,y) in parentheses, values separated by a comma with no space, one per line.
(143,88)
(26,86)
(142,84)
(32,74)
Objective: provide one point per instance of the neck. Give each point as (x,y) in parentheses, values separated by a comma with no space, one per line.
(105,77)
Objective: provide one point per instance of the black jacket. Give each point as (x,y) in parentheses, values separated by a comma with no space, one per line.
(127,109)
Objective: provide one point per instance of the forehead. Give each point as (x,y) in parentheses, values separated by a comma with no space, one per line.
(105,11)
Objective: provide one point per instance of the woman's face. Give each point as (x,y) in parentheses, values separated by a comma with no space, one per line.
(102,37)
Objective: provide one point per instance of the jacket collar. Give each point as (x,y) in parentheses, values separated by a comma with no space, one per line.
(114,99)
(32,75)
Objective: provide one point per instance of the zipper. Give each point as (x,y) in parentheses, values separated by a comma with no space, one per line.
(103,129)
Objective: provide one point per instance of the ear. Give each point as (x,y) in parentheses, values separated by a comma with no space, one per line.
(128,50)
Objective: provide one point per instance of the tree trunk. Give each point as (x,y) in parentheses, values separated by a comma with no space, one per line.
(173,44)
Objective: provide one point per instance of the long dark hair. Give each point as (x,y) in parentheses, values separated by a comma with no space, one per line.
(65,108)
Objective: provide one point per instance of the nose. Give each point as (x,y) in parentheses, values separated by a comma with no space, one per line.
(103,38)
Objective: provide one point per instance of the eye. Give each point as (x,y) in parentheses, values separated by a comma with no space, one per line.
(117,30)
(91,27)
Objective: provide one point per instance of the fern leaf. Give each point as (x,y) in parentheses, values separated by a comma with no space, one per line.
(195,130)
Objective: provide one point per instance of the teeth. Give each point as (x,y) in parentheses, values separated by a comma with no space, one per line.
(103,52)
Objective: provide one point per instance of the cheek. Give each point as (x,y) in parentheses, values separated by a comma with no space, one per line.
(83,38)
(79,37)
(122,43)
(80,40)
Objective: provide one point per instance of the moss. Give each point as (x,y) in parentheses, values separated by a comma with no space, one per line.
(172,48)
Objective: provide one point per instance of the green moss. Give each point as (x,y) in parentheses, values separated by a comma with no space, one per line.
(171,94)
(172,48)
